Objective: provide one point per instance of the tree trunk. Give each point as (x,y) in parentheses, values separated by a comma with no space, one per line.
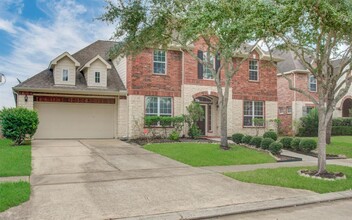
(223,123)
(328,131)
(322,141)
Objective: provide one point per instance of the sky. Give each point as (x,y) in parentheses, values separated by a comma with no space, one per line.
(34,32)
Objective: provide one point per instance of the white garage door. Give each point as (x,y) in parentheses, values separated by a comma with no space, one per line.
(74,120)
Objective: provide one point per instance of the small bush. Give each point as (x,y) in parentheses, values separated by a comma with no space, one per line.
(342,122)
(237,138)
(174,136)
(307,145)
(270,134)
(275,148)
(246,139)
(286,142)
(256,141)
(194,132)
(16,123)
(266,143)
(309,124)
(295,144)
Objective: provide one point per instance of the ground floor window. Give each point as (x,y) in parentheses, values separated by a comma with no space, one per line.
(289,110)
(253,113)
(158,106)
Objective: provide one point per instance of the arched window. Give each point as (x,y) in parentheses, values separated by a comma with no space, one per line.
(347,107)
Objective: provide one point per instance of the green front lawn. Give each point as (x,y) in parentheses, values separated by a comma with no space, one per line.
(13,194)
(288,177)
(204,154)
(14,161)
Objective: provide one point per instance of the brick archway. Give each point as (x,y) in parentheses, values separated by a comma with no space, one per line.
(346,107)
(205,93)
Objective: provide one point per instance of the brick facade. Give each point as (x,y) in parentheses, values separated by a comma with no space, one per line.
(295,100)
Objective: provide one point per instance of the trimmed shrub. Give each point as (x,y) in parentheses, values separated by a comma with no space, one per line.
(270,134)
(341,130)
(16,123)
(309,124)
(307,145)
(342,121)
(275,148)
(256,141)
(194,132)
(237,138)
(295,144)
(246,139)
(286,142)
(174,136)
(266,143)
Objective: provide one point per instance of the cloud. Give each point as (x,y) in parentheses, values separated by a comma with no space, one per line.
(7,26)
(34,44)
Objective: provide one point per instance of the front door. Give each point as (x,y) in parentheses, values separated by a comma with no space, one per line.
(201,123)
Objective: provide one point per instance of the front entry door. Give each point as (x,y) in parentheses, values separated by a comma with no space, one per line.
(201,123)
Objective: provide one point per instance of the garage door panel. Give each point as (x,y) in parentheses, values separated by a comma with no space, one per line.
(74,120)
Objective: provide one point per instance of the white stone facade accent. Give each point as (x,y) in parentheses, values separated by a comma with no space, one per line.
(22,103)
(122,118)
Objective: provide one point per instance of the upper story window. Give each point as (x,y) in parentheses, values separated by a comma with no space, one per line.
(207,69)
(97,77)
(65,75)
(158,106)
(159,64)
(253,110)
(312,83)
(253,70)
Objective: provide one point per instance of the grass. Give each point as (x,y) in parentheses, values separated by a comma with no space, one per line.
(13,194)
(14,161)
(288,177)
(204,154)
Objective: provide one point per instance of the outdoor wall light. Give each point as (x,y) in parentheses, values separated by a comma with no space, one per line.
(26,98)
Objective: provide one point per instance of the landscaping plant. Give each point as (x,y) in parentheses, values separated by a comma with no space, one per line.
(275,148)
(174,135)
(286,142)
(270,134)
(16,123)
(295,144)
(266,143)
(246,139)
(309,124)
(195,113)
(256,141)
(307,145)
(237,138)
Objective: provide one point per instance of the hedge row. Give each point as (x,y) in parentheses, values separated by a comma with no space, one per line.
(341,130)
(342,122)
(297,144)
(267,142)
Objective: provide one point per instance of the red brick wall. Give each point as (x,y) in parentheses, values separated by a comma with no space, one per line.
(265,89)
(142,81)
(285,98)
(302,83)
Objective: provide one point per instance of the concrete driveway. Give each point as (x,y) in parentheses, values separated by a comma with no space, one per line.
(102,179)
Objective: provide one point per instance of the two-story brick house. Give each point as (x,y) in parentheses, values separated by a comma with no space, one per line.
(89,95)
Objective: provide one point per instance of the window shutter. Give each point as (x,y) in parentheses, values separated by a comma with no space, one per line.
(217,64)
(200,65)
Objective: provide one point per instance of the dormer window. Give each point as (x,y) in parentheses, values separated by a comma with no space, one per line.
(97,77)
(65,75)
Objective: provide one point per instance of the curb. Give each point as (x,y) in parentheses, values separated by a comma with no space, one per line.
(213,212)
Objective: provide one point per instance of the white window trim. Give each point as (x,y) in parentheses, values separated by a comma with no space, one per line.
(309,83)
(68,73)
(95,77)
(254,115)
(204,66)
(283,111)
(160,74)
(253,70)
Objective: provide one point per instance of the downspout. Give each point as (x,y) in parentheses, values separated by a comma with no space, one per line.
(182,86)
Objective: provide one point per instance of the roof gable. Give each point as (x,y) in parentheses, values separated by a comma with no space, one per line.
(65,54)
(97,57)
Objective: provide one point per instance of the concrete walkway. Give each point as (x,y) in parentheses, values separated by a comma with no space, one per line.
(103,179)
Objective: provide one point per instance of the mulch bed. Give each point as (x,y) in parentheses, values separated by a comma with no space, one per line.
(324,176)
(285,158)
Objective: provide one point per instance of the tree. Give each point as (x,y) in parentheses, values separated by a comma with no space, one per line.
(318,32)
(224,27)
(16,123)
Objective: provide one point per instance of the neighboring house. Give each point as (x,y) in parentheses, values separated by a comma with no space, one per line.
(293,105)
(88,95)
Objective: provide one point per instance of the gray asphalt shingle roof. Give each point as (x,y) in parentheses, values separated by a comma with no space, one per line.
(45,79)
